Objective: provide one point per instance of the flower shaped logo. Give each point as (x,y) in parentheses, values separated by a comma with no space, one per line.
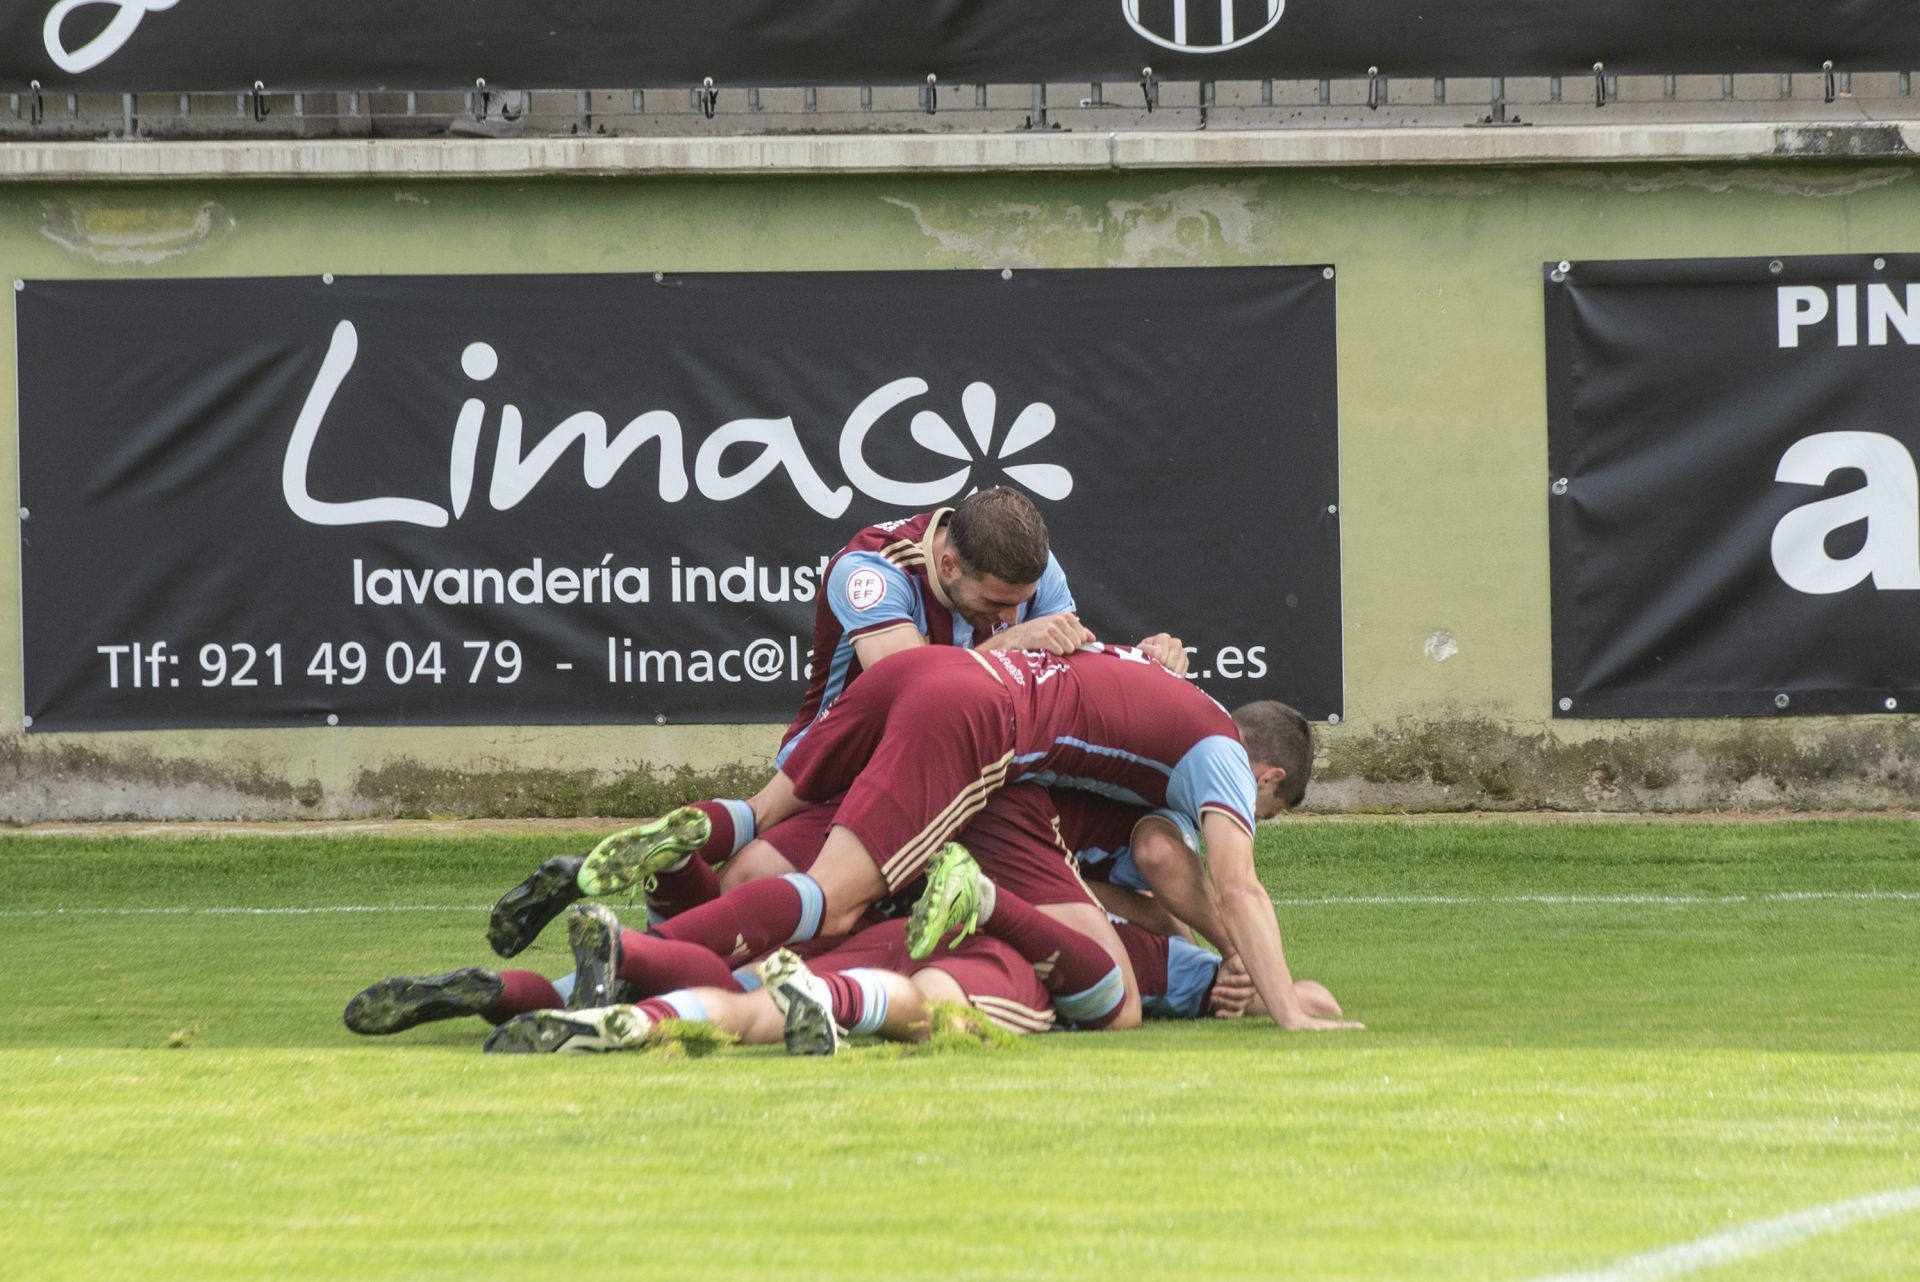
(980,405)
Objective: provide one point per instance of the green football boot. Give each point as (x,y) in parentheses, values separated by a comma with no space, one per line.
(951,901)
(394,1005)
(639,853)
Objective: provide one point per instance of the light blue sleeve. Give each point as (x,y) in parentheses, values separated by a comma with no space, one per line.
(1190,974)
(1215,772)
(1051,595)
(866,590)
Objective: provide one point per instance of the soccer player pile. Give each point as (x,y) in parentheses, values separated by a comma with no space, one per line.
(1043,811)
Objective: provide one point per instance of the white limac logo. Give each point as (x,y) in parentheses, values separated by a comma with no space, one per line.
(1203,26)
(112,37)
(774,442)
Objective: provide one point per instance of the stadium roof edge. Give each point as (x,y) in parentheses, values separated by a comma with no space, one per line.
(762,155)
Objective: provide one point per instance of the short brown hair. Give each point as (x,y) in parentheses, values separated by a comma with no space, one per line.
(1277,735)
(999,532)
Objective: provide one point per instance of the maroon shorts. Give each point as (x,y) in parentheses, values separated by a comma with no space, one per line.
(882,947)
(799,836)
(998,982)
(918,744)
(1016,841)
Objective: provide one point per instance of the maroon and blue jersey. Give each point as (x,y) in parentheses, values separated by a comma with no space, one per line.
(1110,720)
(884,579)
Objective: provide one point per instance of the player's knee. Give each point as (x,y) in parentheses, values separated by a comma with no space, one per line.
(756,860)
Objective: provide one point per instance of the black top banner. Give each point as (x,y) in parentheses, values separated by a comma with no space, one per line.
(178,45)
(1735,514)
(576,499)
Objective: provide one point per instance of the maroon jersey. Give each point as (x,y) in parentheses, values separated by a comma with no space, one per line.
(1112,721)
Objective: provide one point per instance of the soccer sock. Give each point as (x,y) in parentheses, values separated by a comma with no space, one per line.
(859,999)
(1085,983)
(653,965)
(752,918)
(678,1004)
(678,889)
(522,991)
(732,823)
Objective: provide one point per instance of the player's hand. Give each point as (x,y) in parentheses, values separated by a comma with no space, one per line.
(1166,650)
(1233,993)
(1061,633)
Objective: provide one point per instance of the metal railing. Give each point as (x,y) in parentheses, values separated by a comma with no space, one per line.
(938,108)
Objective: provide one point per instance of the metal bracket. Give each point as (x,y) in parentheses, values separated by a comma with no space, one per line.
(1150,88)
(709,98)
(38,111)
(1599,84)
(260,109)
(930,97)
(1376,89)
(480,99)
(1827,67)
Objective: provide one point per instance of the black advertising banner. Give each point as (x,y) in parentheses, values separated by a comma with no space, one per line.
(177,45)
(1734,511)
(608,499)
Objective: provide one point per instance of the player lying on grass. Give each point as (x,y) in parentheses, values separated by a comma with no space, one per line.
(921,743)
(1019,838)
(1022,836)
(871,983)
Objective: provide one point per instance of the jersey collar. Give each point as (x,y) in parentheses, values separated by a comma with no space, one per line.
(933,564)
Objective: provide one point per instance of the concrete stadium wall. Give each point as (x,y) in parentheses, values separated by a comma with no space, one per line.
(1443,439)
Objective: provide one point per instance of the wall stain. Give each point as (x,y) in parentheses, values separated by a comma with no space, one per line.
(1459,763)
(41,782)
(1475,763)
(1208,223)
(415,790)
(1798,181)
(114,232)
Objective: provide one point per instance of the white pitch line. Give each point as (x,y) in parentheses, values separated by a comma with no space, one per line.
(1751,1239)
(243,912)
(1786,897)
(1334,901)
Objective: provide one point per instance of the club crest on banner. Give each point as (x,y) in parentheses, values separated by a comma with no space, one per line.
(1203,26)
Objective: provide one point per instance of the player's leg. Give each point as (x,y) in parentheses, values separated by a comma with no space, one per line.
(751,1017)
(989,977)
(403,1002)
(820,1007)
(753,918)
(1087,984)
(612,963)
(1161,858)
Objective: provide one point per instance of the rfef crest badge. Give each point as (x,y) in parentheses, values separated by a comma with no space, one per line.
(1203,26)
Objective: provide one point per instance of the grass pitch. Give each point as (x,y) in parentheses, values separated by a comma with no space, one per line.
(1585,1043)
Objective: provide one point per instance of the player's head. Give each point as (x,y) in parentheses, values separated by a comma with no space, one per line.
(1280,747)
(995,553)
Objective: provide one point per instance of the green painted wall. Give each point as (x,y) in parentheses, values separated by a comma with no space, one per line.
(1443,433)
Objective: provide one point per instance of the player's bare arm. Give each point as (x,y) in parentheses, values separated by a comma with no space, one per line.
(1177,878)
(1252,930)
(871,647)
(1061,633)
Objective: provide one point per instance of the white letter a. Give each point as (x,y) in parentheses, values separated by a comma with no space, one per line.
(1889,503)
